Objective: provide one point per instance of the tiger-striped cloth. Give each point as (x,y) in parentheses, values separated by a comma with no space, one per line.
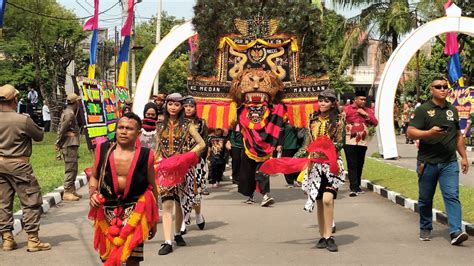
(261,138)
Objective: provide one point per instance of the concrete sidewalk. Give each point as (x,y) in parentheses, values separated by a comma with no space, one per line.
(408,153)
(370,230)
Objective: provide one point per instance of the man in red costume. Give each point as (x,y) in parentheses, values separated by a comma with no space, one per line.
(124,214)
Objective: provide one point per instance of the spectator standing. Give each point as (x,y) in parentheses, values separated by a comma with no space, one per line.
(235,144)
(407,112)
(358,120)
(148,131)
(68,143)
(396,118)
(46,116)
(216,156)
(436,124)
(469,123)
(32,100)
(16,174)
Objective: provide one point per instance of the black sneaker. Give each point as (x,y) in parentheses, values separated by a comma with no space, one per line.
(184,232)
(179,240)
(165,249)
(331,244)
(321,243)
(425,235)
(202,224)
(458,237)
(352,194)
(333,229)
(250,200)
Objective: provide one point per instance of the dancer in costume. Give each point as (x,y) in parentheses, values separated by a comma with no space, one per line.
(201,169)
(322,179)
(216,156)
(148,131)
(176,135)
(260,117)
(123,196)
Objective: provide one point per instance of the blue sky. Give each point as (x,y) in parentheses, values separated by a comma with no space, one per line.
(146,9)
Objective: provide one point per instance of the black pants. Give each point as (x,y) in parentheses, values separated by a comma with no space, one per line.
(47,125)
(355,156)
(216,171)
(236,154)
(248,177)
(290,178)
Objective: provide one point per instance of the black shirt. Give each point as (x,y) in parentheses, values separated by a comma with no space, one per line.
(440,149)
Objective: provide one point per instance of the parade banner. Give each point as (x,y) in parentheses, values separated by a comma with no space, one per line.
(100,110)
(463,99)
(123,94)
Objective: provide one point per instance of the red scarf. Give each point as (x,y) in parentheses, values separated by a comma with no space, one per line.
(322,145)
(148,124)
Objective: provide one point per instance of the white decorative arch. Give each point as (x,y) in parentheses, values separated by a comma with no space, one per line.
(394,68)
(154,62)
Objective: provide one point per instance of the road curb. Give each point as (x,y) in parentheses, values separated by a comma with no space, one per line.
(397,198)
(50,200)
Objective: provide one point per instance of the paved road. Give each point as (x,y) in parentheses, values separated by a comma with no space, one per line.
(408,153)
(371,231)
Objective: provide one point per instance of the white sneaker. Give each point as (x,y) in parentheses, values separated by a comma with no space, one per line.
(267,201)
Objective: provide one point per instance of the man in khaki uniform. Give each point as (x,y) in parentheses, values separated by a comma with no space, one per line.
(16,173)
(68,143)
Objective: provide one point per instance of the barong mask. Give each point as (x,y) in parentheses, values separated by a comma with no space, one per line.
(256,85)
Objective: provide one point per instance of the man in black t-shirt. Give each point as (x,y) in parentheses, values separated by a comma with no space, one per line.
(436,124)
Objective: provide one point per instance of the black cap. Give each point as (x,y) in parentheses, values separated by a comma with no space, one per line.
(362,93)
(328,93)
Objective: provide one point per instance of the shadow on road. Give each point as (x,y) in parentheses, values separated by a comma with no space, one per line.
(203,240)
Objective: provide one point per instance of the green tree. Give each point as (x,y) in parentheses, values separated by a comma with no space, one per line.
(173,67)
(40,40)
(334,32)
(385,20)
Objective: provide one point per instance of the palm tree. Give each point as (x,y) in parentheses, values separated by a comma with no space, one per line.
(385,20)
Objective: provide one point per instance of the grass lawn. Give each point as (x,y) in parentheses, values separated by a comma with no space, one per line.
(49,171)
(403,181)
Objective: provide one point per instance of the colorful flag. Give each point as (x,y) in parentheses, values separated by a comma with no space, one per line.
(3,4)
(93,24)
(122,60)
(451,49)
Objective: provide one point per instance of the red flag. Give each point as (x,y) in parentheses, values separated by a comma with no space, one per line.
(93,22)
(127,26)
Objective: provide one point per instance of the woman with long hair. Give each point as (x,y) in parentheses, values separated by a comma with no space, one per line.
(201,168)
(321,182)
(176,135)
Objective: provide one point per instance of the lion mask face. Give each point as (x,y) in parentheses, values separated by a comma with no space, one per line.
(256,86)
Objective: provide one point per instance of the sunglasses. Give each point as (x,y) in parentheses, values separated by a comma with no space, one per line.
(440,87)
